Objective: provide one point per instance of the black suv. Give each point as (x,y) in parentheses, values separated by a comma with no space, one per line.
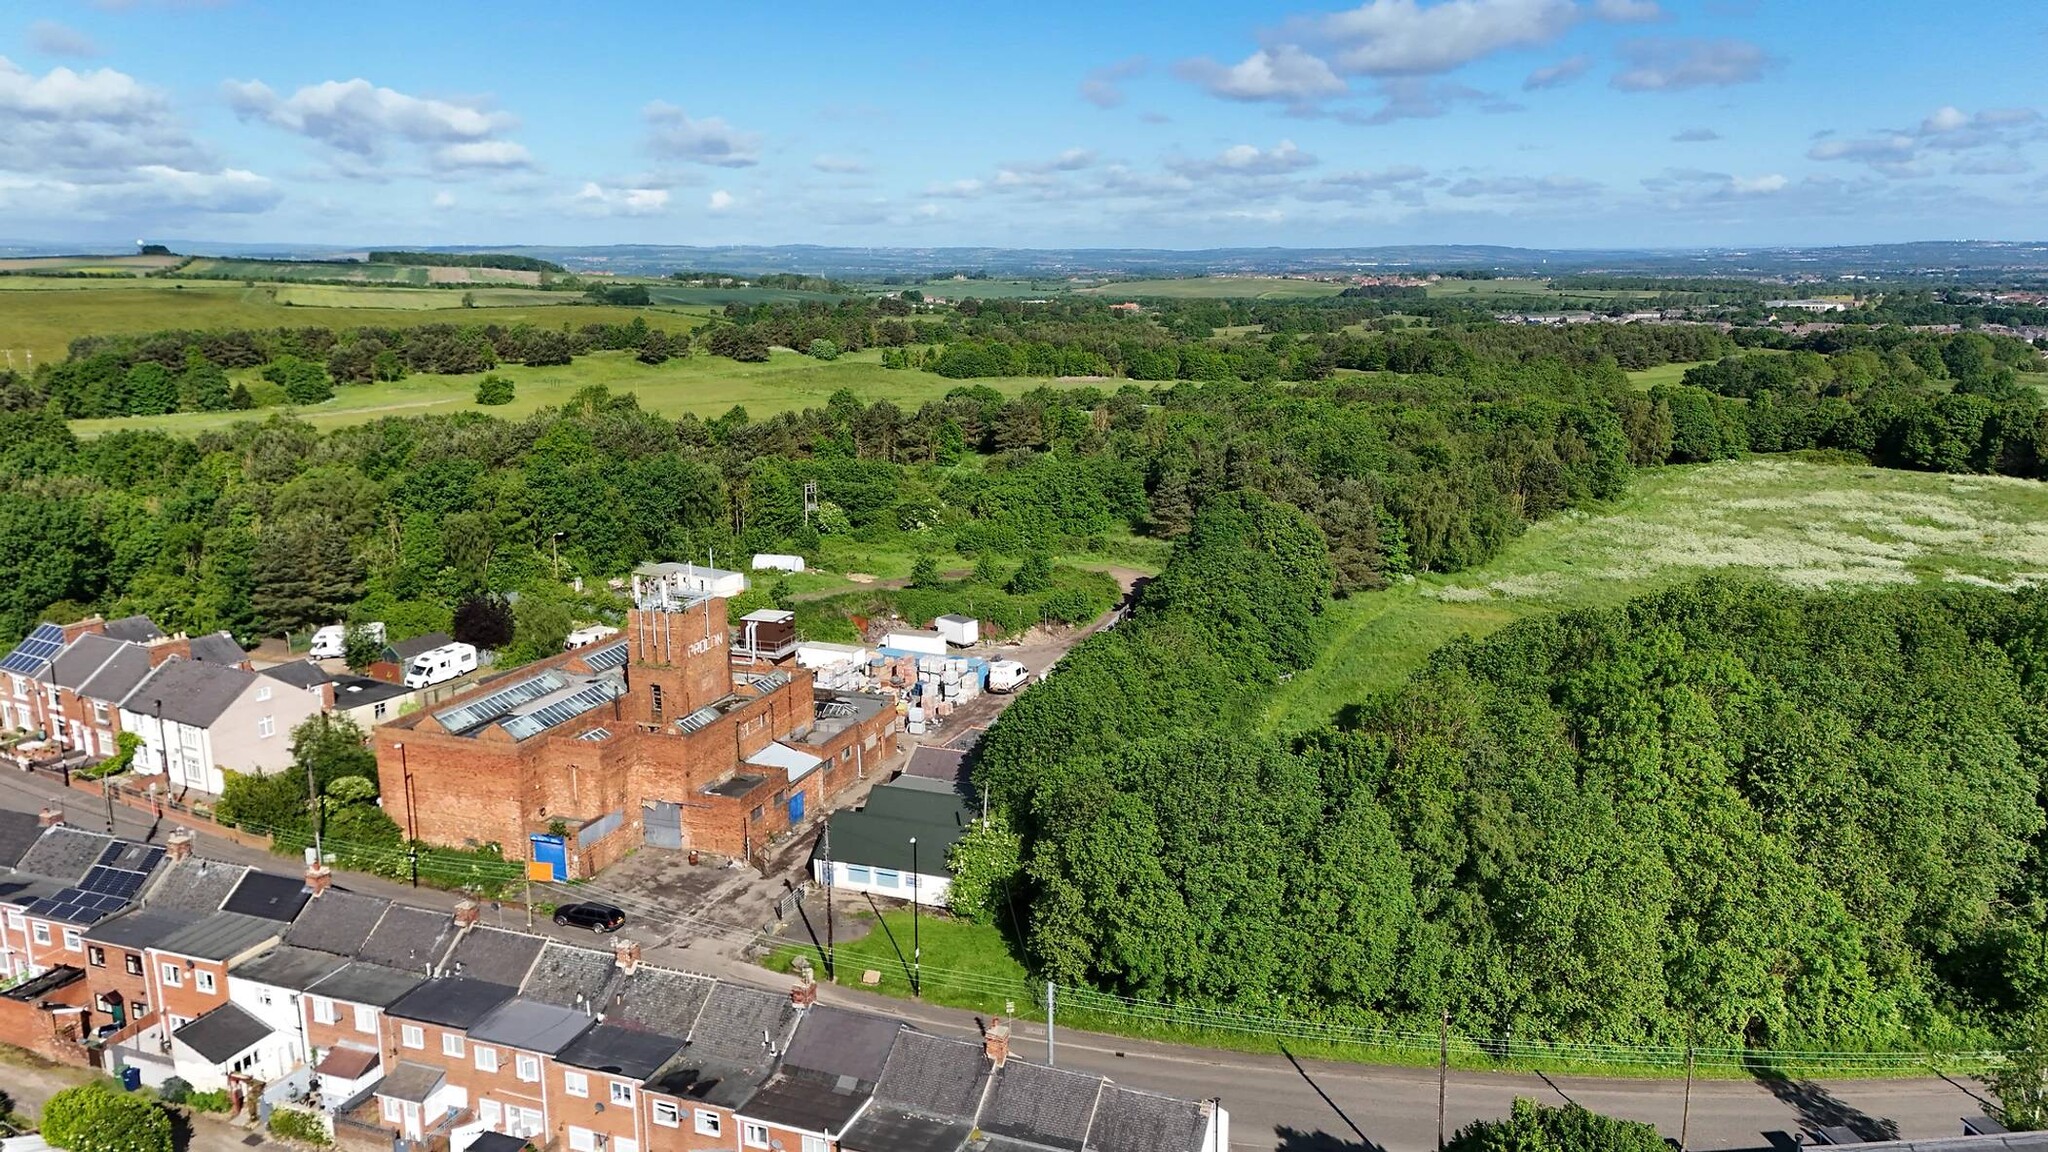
(596,917)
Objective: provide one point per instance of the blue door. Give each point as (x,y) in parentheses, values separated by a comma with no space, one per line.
(796,808)
(551,852)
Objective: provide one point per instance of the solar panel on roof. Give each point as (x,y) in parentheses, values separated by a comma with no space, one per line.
(116,882)
(563,710)
(35,650)
(483,710)
(610,656)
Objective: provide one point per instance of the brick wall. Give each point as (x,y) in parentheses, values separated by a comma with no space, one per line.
(342,1030)
(107,975)
(186,998)
(53,1035)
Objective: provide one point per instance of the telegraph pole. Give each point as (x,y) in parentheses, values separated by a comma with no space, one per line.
(1443,1071)
(1052,999)
(831,884)
(916,947)
(1685,1116)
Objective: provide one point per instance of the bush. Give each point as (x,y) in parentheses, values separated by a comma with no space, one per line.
(494,390)
(174,1090)
(1533,1127)
(98,1117)
(824,350)
(304,1127)
(217,1100)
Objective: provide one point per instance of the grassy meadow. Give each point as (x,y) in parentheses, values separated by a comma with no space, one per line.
(1810,525)
(1219,288)
(705,385)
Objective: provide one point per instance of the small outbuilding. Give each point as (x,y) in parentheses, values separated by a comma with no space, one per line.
(959,631)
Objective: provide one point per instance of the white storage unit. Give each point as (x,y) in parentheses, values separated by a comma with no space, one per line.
(916,640)
(777,562)
(959,631)
(815,654)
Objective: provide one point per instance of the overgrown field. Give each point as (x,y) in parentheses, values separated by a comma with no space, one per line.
(705,385)
(1810,525)
(1215,287)
(418,275)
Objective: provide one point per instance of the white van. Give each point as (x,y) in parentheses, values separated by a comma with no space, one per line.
(331,642)
(438,664)
(585,637)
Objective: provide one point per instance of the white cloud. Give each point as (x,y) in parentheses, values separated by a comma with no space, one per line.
(1524,188)
(1404,38)
(1247,160)
(672,134)
(1103,87)
(444,199)
(1695,136)
(1902,151)
(1656,65)
(718,201)
(1421,98)
(1559,74)
(54,39)
(1282,73)
(1758,185)
(839,165)
(362,122)
(1628,11)
(594,199)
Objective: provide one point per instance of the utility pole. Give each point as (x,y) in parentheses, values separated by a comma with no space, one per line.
(916,946)
(831,883)
(319,811)
(1052,999)
(412,828)
(1685,1116)
(529,901)
(1443,1072)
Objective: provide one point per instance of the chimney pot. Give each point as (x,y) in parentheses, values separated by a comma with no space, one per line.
(178,845)
(467,914)
(996,1041)
(627,953)
(805,993)
(50,816)
(319,878)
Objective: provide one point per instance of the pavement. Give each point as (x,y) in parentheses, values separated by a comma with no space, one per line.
(1276,1101)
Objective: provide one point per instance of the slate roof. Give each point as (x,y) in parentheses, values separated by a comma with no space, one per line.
(64,853)
(878,834)
(217,648)
(191,692)
(297,673)
(270,896)
(808,1101)
(223,1034)
(287,967)
(402,651)
(883,1129)
(194,885)
(531,1026)
(374,984)
(566,975)
(116,678)
(1040,1104)
(18,833)
(338,922)
(87,655)
(735,1022)
(620,1050)
(836,1042)
(410,1081)
(660,1001)
(1128,1121)
(494,955)
(134,629)
(451,1001)
(934,1075)
(221,936)
(707,1081)
(142,928)
(412,938)
(22,890)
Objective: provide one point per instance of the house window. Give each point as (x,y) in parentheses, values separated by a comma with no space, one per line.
(621,1144)
(411,1036)
(857,874)
(266,726)
(14,919)
(264,998)
(390,1108)
(491,1113)
(262,692)
(377,710)
(99,713)
(709,1123)
(366,1018)
(451,1045)
(527,1068)
(171,975)
(134,964)
(655,697)
(816,1144)
(576,1084)
(486,1059)
(622,1092)
(887,878)
(668,1115)
(41,932)
(96,956)
(582,1139)
(71,939)
(203,981)
(754,1135)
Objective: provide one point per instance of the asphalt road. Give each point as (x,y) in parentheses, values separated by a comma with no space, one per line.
(1275,1102)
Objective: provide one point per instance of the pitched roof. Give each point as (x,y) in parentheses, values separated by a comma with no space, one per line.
(345,1063)
(18,833)
(808,1101)
(268,895)
(86,655)
(134,629)
(362,983)
(223,1034)
(878,834)
(1040,1104)
(336,921)
(297,673)
(1130,1121)
(660,1000)
(287,967)
(221,936)
(402,651)
(494,955)
(620,1050)
(410,1081)
(933,1075)
(885,1129)
(836,1042)
(740,1025)
(62,852)
(566,976)
(411,938)
(451,1001)
(189,692)
(217,648)
(531,1026)
(115,679)
(142,928)
(194,885)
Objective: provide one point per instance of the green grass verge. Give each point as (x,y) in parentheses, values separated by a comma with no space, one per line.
(1812,525)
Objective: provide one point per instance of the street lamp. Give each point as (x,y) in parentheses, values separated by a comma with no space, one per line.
(412,830)
(916,947)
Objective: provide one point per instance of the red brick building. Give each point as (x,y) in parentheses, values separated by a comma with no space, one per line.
(655,738)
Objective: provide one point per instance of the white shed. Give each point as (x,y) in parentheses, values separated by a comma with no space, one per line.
(816,654)
(777,562)
(959,631)
(916,640)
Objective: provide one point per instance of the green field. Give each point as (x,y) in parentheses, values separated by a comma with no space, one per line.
(687,296)
(131,265)
(1648,378)
(1219,288)
(950,289)
(1809,525)
(704,385)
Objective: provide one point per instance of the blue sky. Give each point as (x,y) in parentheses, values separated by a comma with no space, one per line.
(1554,123)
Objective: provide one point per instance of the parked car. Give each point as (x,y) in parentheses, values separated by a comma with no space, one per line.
(596,917)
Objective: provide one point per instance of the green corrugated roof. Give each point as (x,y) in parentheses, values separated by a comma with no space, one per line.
(878,835)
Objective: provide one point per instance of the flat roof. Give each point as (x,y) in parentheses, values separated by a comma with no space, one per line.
(532,1026)
(452,1001)
(621,1051)
(221,936)
(287,967)
(734,787)
(360,982)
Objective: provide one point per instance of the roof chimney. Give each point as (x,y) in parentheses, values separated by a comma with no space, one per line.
(805,993)
(627,953)
(50,816)
(178,845)
(996,1041)
(319,878)
(467,914)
